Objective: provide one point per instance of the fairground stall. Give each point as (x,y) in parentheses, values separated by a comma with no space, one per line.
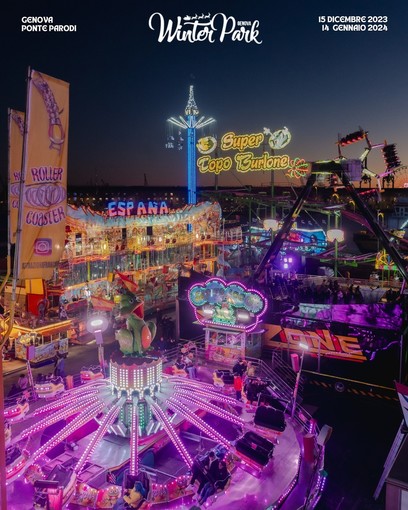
(230,314)
(145,241)
(45,341)
(37,325)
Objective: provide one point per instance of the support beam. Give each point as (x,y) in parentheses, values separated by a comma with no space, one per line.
(288,222)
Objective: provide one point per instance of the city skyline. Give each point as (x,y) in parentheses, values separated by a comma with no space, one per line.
(125,84)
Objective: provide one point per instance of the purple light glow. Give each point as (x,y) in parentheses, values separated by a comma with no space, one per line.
(60,415)
(211,408)
(134,439)
(197,421)
(63,401)
(107,421)
(210,395)
(76,423)
(168,427)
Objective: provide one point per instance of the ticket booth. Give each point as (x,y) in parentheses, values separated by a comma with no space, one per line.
(226,345)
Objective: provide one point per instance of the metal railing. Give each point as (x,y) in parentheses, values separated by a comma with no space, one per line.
(277,372)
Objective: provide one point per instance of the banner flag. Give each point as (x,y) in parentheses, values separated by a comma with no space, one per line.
(402,391)
(45,174)
(128,283)
(16,136)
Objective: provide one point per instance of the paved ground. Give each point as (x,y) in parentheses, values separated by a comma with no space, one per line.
(363,432)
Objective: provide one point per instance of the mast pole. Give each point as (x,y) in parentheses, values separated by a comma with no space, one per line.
(16,271)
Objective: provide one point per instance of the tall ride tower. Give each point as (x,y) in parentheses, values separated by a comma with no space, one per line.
(190,122)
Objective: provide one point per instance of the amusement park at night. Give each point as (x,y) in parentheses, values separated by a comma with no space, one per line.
(211,413)
(234,340)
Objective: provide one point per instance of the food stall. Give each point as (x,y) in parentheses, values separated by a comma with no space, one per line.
(46,341)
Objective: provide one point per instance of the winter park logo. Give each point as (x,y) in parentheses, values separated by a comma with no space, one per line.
(204,27)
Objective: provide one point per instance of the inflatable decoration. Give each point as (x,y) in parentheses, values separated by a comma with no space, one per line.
(138,334)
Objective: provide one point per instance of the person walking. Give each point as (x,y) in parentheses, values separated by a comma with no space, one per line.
(60,366)
(238,386)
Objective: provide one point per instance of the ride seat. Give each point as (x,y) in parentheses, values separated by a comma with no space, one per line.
(218,491)
(270,418)
(177,371)
(255,447)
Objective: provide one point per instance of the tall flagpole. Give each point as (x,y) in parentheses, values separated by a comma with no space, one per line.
(16,269)
(4,282)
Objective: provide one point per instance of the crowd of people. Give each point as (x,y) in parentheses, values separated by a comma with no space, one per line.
(328,291)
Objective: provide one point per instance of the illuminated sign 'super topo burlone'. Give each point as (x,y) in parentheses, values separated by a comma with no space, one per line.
(245,160)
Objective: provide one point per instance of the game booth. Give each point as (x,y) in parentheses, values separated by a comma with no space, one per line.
(230,314)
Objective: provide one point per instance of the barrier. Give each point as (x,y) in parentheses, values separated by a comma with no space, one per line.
(308,447)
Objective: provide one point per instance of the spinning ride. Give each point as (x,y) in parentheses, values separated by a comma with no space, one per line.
(151,409)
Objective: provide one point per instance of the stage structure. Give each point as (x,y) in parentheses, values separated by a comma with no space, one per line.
(190,122)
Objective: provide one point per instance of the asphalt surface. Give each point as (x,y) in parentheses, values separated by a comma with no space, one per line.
(364,429)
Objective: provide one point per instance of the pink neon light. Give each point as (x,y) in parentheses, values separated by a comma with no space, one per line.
(192,383)
(109,418)
(197,421)
(134,440)
(77,422)
(171,432)
(206,406)
(209,395)
(54,418)
(69,396)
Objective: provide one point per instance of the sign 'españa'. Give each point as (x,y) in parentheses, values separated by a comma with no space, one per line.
(129,208)
(245,160)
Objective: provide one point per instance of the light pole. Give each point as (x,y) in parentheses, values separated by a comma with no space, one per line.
(335,235)
(272,225)
(97,324)
(297,367)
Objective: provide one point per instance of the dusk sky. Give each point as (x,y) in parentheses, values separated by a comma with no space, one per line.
(124,83)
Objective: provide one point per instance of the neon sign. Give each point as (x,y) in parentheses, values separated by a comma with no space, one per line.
(319,341)
(129,208)
(206,145)
(246,161)
(232,304)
